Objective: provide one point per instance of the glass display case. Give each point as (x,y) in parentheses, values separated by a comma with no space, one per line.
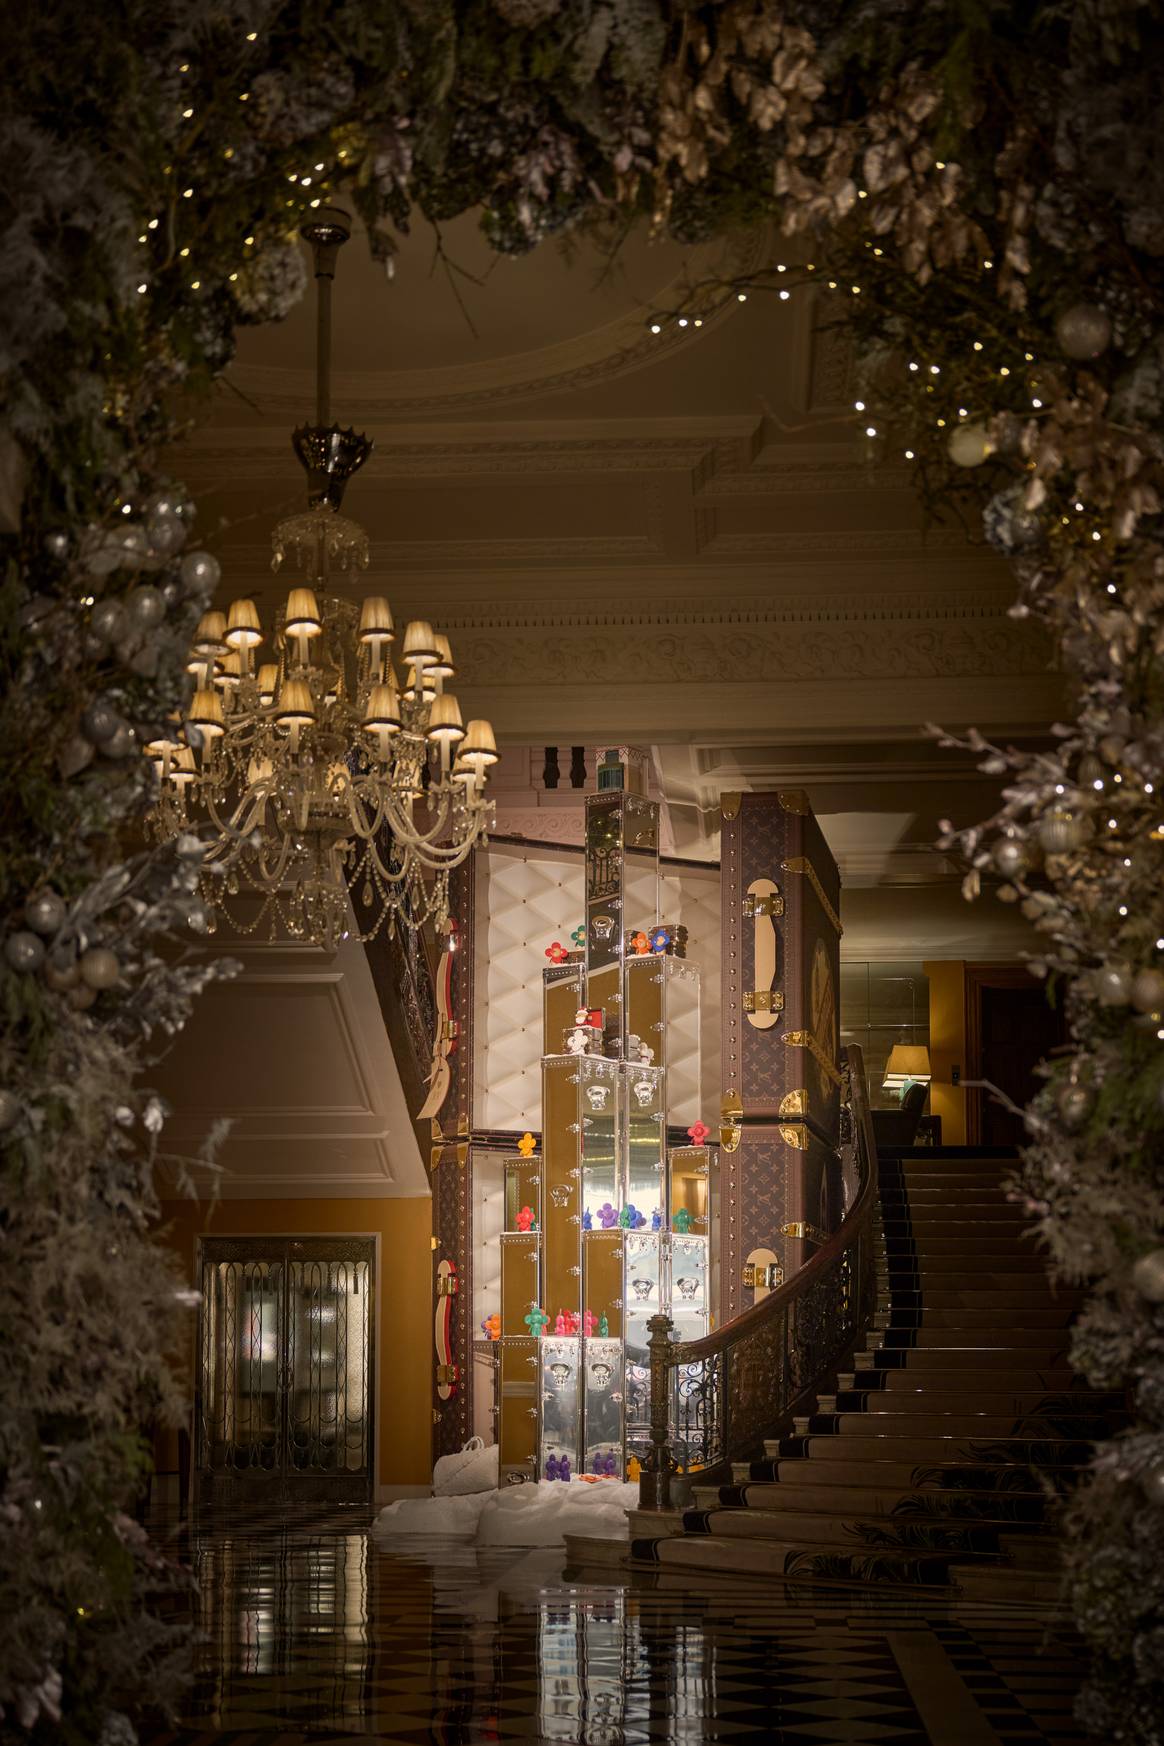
(604,1227)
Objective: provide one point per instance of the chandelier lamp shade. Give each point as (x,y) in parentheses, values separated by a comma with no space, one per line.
(314,772)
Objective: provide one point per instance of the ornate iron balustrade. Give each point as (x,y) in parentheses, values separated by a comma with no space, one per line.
(714,1400)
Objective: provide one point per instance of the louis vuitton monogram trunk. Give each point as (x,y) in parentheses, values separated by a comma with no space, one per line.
(780,976)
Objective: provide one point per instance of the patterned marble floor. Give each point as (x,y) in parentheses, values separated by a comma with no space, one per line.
(308,1631)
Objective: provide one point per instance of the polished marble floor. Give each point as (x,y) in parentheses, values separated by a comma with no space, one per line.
(310,1631)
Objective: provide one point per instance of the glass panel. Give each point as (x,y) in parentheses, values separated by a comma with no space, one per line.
(561,1400)
(518,1422)
(241,1413)
(327,1333)
(883,1004)
(598,1097)
(603,1360)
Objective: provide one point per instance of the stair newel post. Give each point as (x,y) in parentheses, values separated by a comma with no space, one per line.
(655,1477)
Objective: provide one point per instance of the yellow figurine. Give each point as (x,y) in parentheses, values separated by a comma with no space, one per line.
(633,1468)
(526,1145)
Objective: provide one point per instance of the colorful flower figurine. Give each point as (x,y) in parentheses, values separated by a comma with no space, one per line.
(526,1145)
(640,944)
(660,939)
(626,1218)
(682,1221)
(587,1220)
(491,1327)
(536,1320)
(578,937)
(525,1219)
(698,1133)
(556,952)
(607,1216)
(603,1327)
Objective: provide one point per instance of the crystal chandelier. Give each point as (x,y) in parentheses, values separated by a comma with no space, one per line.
(318,772)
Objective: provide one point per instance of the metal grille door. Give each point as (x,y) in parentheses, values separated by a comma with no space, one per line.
(284,1402)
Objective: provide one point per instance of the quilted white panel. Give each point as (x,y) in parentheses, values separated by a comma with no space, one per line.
(527,897)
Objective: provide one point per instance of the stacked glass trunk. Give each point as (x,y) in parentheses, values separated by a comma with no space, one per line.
(607,1225)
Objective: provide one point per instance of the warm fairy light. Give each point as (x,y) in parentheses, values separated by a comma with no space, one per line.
(655,328)
(187,193)
(862,194)
(741,296)
(909,454)
(860,405)
(781,268)
(195,284)
(941,424)
(961,412)
(870,430)
(1111,588)
(1078,507)
(1036,402)
(141,290)
(228,153)
(988,265)
(1097,535)
(682,321)
(186,114)
(319,166)
(233,277)
(1004,371)
(935,369)
(243,95)
(977,345)
(152,225)
(183,253)
(252,36)
(248,240)
(698,322)
(832,284)
(913,366)
(784,296)
(878,251)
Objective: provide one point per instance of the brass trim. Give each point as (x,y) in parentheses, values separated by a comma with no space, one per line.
(806,1040)
(763,1000)
(795,1135)
(763,1275)
(798,864)
(731,1115)
(754,905)
(794,1103)
(729,803)
(801,1229)
(794,800)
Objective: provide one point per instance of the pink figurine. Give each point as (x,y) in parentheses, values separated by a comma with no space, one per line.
(560,1324)
(525,1218)
(589,1323)
(698,1133)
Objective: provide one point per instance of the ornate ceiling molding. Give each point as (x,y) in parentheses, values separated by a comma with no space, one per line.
(618,347)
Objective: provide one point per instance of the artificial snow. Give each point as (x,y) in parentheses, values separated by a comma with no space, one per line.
(518,1515)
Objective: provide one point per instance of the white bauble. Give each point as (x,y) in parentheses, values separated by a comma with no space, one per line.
(99,967)
(1113,984)
(1083,331)
(968,445)
(200,572)
(1148,991)
(145,607)
(1148,1276)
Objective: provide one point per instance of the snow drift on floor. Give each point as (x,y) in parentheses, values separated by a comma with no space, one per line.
(519,1515)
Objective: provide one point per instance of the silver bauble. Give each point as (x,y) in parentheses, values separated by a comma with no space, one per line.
(99,967)
(119,744)
(24,951)
(74,755)
(200,572)
(968,445)
(133,544)
(61,973)
(163,524)
(56,544)
(1090,771)
(1113,984)
(145,607)
(1083,331)
(1074,1104)
(100,722)
(198,917)
(9,1110)
(1148,1276)
(1148,991)
(107,620)
(45,912)
(1061,830)
(1011,857)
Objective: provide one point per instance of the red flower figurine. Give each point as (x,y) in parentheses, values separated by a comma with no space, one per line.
(557,953)
(698,1133)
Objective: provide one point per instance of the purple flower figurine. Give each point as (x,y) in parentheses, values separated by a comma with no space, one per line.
(607,1217)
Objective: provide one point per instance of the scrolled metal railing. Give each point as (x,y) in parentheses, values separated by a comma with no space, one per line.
(714,1400)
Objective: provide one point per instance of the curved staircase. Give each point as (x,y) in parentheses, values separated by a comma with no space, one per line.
(938,1456)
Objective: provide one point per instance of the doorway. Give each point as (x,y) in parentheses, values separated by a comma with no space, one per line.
(283,1405)
(1010,1027)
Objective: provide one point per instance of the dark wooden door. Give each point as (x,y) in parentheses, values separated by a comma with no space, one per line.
(1011,1028)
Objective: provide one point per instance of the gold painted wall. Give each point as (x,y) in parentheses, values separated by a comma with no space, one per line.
(404,1330)
(948,1045)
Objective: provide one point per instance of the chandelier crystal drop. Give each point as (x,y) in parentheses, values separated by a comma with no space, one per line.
(315,770)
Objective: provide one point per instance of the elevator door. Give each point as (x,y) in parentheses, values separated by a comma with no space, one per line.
(284,1401)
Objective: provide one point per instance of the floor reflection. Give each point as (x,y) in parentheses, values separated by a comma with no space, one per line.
(308,1630)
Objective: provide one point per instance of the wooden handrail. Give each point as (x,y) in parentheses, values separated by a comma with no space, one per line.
(769,1326)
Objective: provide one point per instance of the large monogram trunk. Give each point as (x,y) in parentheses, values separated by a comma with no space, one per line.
(782,1082)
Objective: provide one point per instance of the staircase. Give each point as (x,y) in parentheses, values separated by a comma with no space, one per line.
(930,1461)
